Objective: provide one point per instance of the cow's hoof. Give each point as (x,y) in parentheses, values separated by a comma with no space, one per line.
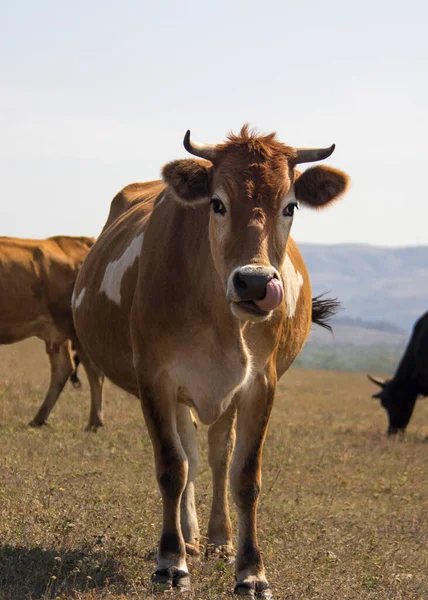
(162,580)
(36,424)
(259,589)
(181,580)
(224,551)
(165,579)
(93,427)
(243,589)
(192,549)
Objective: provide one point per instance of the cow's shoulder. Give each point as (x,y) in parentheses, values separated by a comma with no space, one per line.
(69,242)
(74,247)
(421,325)
(418,345)
(62,251)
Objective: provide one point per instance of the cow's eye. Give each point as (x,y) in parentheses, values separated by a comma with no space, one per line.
(218,207)
(289,209)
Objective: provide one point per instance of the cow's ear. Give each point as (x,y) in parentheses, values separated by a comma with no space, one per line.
(320,185)
(190,180)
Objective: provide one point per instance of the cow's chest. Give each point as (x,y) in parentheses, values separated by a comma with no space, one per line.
(207,377)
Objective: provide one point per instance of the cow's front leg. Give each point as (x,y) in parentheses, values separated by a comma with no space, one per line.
(254,409)
(221,440)
(189,520)
(171,465)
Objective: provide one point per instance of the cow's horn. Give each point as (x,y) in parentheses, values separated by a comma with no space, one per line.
(304,155)
(202,150)
(377,381)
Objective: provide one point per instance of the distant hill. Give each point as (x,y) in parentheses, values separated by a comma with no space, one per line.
(383,326)
(355,345)
(375,284)
(355,332)
(383,291)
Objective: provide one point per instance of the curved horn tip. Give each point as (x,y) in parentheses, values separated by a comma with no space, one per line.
(329,151)
(376,380)
(186,139)
(305,155)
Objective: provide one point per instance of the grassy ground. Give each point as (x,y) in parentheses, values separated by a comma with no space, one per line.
(343,515)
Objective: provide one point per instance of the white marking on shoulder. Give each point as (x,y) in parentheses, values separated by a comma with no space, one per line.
(77,301)
(293,281)
(116,269)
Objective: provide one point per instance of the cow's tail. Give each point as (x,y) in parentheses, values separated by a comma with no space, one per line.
(323,309)
(74,378)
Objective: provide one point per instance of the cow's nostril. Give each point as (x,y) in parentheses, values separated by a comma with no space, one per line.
(239,283)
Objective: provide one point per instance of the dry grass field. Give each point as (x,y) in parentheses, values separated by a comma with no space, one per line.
(343,514)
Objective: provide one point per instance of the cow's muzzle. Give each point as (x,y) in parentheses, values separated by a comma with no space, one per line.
(256,290)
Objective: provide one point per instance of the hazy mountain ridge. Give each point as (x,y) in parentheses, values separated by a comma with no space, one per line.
(382,292)
(372,325)
(372,283)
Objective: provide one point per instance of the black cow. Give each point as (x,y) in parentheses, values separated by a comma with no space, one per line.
(398,395)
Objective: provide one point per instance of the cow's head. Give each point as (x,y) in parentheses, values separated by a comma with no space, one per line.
(252,189)
(398,399)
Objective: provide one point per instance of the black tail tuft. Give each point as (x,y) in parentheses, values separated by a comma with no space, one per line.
(74,378)
(323,309)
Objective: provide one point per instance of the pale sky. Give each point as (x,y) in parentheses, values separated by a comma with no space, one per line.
(96,94)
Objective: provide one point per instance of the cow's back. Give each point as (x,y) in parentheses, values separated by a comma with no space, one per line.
(413,365)
(36,284)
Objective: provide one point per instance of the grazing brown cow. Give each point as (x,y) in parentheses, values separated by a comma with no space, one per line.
(36,285)
(196,297)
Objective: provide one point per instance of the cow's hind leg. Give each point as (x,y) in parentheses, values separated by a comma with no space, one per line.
(159,408)
(189,521)
(61,363)
(253,417)
(221,440)
(96,381)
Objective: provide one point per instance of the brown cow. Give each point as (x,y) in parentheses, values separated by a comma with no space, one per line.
(196,297)
(36,285)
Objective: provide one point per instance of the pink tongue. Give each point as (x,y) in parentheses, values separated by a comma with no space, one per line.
(274,296)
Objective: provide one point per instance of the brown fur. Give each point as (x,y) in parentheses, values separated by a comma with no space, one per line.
(266,146)
(162,327)
(36,284)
